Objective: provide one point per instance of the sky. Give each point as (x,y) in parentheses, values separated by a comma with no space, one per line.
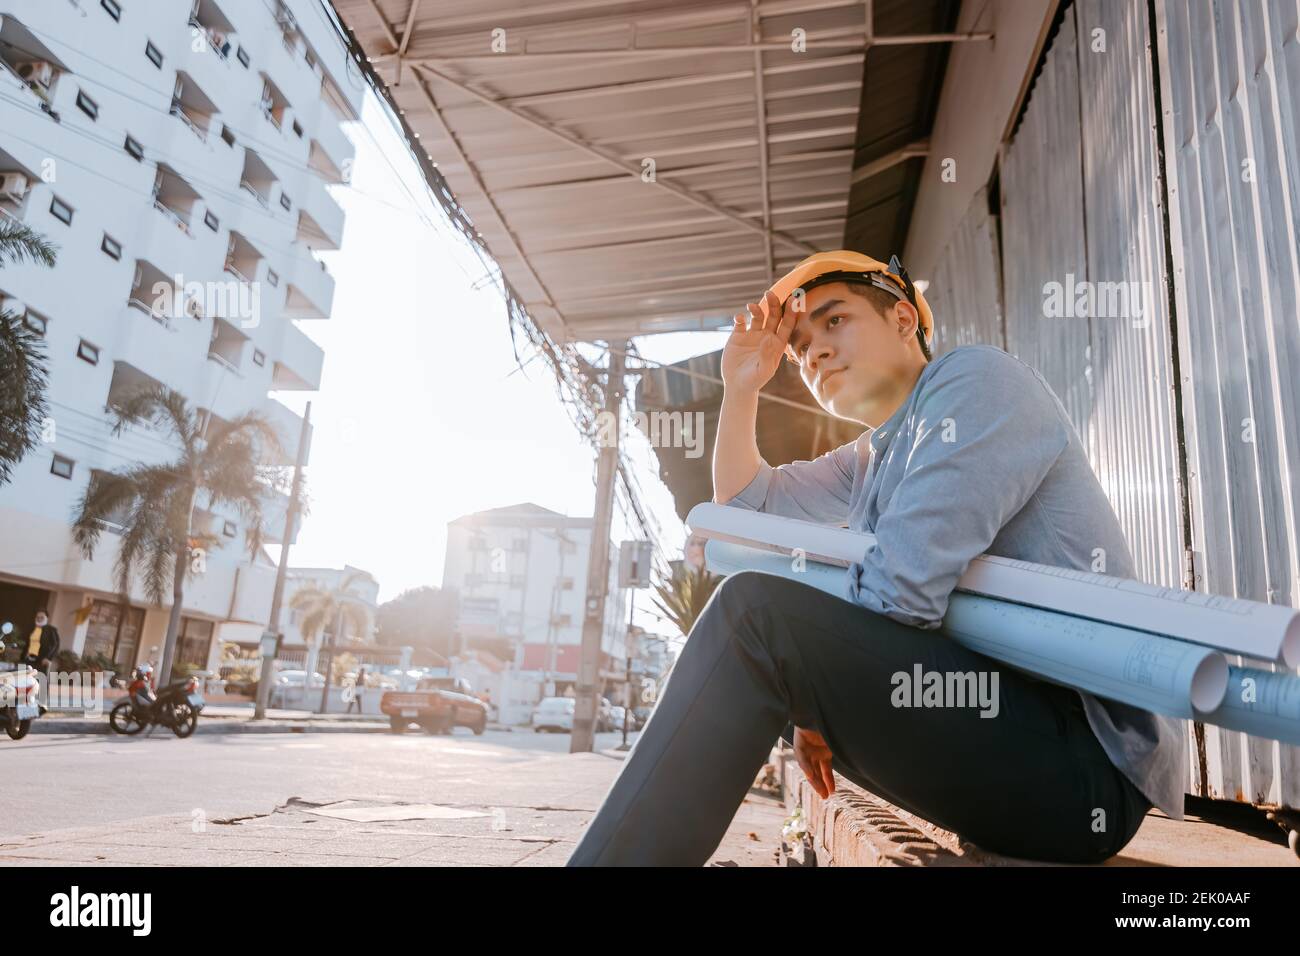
(423,414)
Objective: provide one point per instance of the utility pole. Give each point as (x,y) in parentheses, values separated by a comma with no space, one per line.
(628,647)
(270,639)
(583,738)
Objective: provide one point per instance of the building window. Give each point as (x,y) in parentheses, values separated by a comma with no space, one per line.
(228,529)
(259,357)
(35,322)
(210,220)
(194,643)
(62,466)
(133,148)
(153,53)
(285,202)
(61,211)
(87,105)
(87,352)
(273,277)
(112,634)
(297,129)
(113,8)
(227,136)
(111,247)
(242,56)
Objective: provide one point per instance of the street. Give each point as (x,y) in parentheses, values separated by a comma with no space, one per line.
(498,799)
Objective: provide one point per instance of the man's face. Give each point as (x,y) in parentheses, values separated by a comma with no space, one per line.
(41,620)
(847,353)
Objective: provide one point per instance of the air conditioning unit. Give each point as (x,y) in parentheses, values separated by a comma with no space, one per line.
(13,185)
(38,71)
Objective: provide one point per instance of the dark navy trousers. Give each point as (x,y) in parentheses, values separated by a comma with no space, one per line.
(769,653)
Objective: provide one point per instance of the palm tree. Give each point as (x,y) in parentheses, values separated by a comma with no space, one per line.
(220,464)
(23,408)
(682,597)
(331,608)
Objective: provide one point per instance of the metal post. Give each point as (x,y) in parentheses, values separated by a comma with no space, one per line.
(627,673)
(277,597)
(583,738)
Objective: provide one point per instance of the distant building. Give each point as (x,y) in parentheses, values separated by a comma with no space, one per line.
(364,586)
(521,573)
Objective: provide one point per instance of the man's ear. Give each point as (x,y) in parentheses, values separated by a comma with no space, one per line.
(907,318)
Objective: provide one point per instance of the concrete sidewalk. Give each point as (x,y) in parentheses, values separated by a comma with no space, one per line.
(531,816)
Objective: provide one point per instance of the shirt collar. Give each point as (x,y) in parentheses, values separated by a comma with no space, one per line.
(881,436)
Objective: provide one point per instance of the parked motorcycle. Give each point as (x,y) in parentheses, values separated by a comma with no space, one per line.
(175,707)
(19,693)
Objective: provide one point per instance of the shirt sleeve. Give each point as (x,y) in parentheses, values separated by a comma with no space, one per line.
(987,431)
(817,490)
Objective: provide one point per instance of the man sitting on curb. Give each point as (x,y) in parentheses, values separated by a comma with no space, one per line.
(968,454)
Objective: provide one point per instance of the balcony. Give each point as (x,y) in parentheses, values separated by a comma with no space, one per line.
(29,64)
(320,218)
(256,178)
(288,428)
(227,345)
(242,258)
(209,23)
(192,106)
(274,104)
(298,365)
(174,198)
(310,290)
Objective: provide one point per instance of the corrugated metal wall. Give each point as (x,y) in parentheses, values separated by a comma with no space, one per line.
(1042,229)
(1133,437)
(965,294)
(1230,86)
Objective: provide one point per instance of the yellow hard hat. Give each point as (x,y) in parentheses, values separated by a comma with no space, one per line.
(844,265)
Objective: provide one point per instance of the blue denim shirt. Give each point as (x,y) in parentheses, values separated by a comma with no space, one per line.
(980,458)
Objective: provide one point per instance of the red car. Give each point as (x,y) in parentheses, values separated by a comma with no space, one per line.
(437,705)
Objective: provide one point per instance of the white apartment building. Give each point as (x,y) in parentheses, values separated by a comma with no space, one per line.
(163,143)
(521,573)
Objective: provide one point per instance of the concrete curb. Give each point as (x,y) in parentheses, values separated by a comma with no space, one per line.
(856,828)
(218,726)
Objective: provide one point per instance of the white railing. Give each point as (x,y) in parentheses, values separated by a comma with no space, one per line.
(223,362)
(249,188)
(173,215)
(161,318)
(230,267)
(207,34)
(267,112)
(178,110)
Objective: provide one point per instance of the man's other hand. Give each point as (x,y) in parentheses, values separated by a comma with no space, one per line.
(814,756)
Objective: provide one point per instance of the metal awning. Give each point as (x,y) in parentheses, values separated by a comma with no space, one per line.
(640,166)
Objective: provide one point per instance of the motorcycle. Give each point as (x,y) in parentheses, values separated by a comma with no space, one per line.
(19,693)
(175,707)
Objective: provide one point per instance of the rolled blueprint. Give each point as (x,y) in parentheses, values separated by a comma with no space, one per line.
(1158,674)
(1260,703)
(1269,632)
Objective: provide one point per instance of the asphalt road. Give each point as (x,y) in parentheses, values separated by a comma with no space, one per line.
(56,781)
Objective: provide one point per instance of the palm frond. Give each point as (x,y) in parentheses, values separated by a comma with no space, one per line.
(682,597)
(21,243)
(23,407)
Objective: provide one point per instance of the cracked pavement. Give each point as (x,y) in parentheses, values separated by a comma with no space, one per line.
(502,799)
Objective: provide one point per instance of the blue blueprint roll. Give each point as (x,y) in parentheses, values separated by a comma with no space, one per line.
(1156,673)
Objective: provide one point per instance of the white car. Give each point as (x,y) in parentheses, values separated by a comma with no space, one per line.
(554,714)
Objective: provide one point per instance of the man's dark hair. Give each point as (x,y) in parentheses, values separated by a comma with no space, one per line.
(883,301)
